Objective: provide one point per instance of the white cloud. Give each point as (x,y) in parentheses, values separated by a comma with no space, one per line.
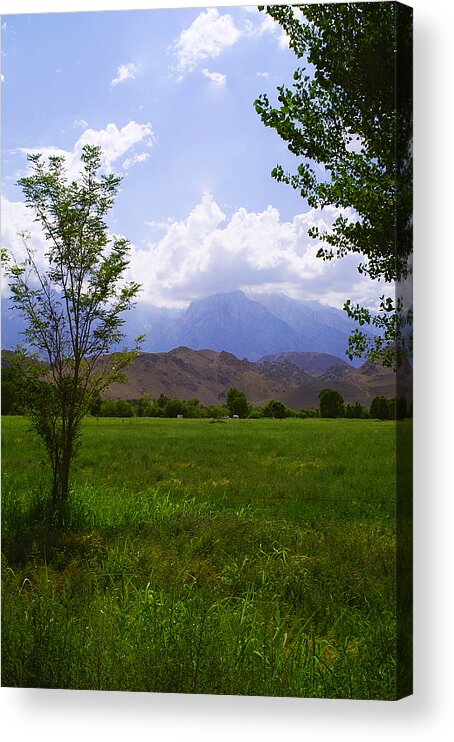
(116,142)
(81,122)
(263,74)
(208,253)
(212,33)
(113,141)
(18,218)
(209,35)
(269,25)
(126,72)
(130,161)
(217,77)
(263,24)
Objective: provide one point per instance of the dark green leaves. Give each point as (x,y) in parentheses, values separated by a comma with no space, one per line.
(352,117)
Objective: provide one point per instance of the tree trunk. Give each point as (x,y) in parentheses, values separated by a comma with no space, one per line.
(61,465)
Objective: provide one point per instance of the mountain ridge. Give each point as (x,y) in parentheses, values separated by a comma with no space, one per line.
(207,375)
(248,326)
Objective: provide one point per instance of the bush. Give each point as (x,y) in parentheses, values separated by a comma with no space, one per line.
(174,407)
(382,408)
(116,408)
(237,402)
(356,411)
(303,413)
(331,403)
(12,388)
(276,409)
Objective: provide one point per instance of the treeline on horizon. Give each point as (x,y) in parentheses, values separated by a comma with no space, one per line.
(331,405)
(382,408)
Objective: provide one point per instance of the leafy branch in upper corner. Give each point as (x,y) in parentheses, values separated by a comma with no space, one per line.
(348,118)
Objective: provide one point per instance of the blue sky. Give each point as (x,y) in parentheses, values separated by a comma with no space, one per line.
(169,94)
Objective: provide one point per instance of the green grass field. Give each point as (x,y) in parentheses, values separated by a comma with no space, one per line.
(251,557)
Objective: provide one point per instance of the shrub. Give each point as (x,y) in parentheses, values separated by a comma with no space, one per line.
(116,408)
(331,403)
(356,411)
(274,408)
(237,402)
(382,408)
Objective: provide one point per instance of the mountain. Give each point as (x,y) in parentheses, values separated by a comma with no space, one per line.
(235,324)
(207,375)
(313,362)
(246,326)
(323,329)
(203,374)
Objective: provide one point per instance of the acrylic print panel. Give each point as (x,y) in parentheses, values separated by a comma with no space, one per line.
(233,515)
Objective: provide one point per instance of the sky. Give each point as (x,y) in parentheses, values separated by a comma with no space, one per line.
(168,94)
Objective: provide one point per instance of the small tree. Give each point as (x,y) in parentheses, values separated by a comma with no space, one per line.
(276,409)
(382,408)
(174,407)
(116,408)
(237,402)
(355,411)
(144,406)
(11,383)
(331,403)
(73,306)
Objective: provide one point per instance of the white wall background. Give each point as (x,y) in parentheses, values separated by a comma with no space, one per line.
(47,715)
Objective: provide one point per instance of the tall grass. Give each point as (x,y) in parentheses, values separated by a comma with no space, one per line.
(256,557)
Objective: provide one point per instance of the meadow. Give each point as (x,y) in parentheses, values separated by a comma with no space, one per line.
(252,557)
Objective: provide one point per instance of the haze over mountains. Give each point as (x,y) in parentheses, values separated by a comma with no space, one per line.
(269,346)
(246,326)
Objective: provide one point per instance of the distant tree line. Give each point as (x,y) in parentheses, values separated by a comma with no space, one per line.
(381,408)
(331,405)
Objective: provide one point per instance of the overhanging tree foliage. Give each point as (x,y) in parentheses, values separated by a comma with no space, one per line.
(348,118)
(72,301)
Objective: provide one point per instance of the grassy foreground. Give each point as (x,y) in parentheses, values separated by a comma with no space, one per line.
(251,557)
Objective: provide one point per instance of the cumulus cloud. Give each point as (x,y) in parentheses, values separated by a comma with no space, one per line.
(217,77)
(212,33)
(17,218)
(125,72)
(262,24)
(209,252)
(209,35)
(113,141)
(130,161)
(116,142)
(269,25)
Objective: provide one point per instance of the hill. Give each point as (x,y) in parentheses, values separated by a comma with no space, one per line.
(311,362)
(207,375)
